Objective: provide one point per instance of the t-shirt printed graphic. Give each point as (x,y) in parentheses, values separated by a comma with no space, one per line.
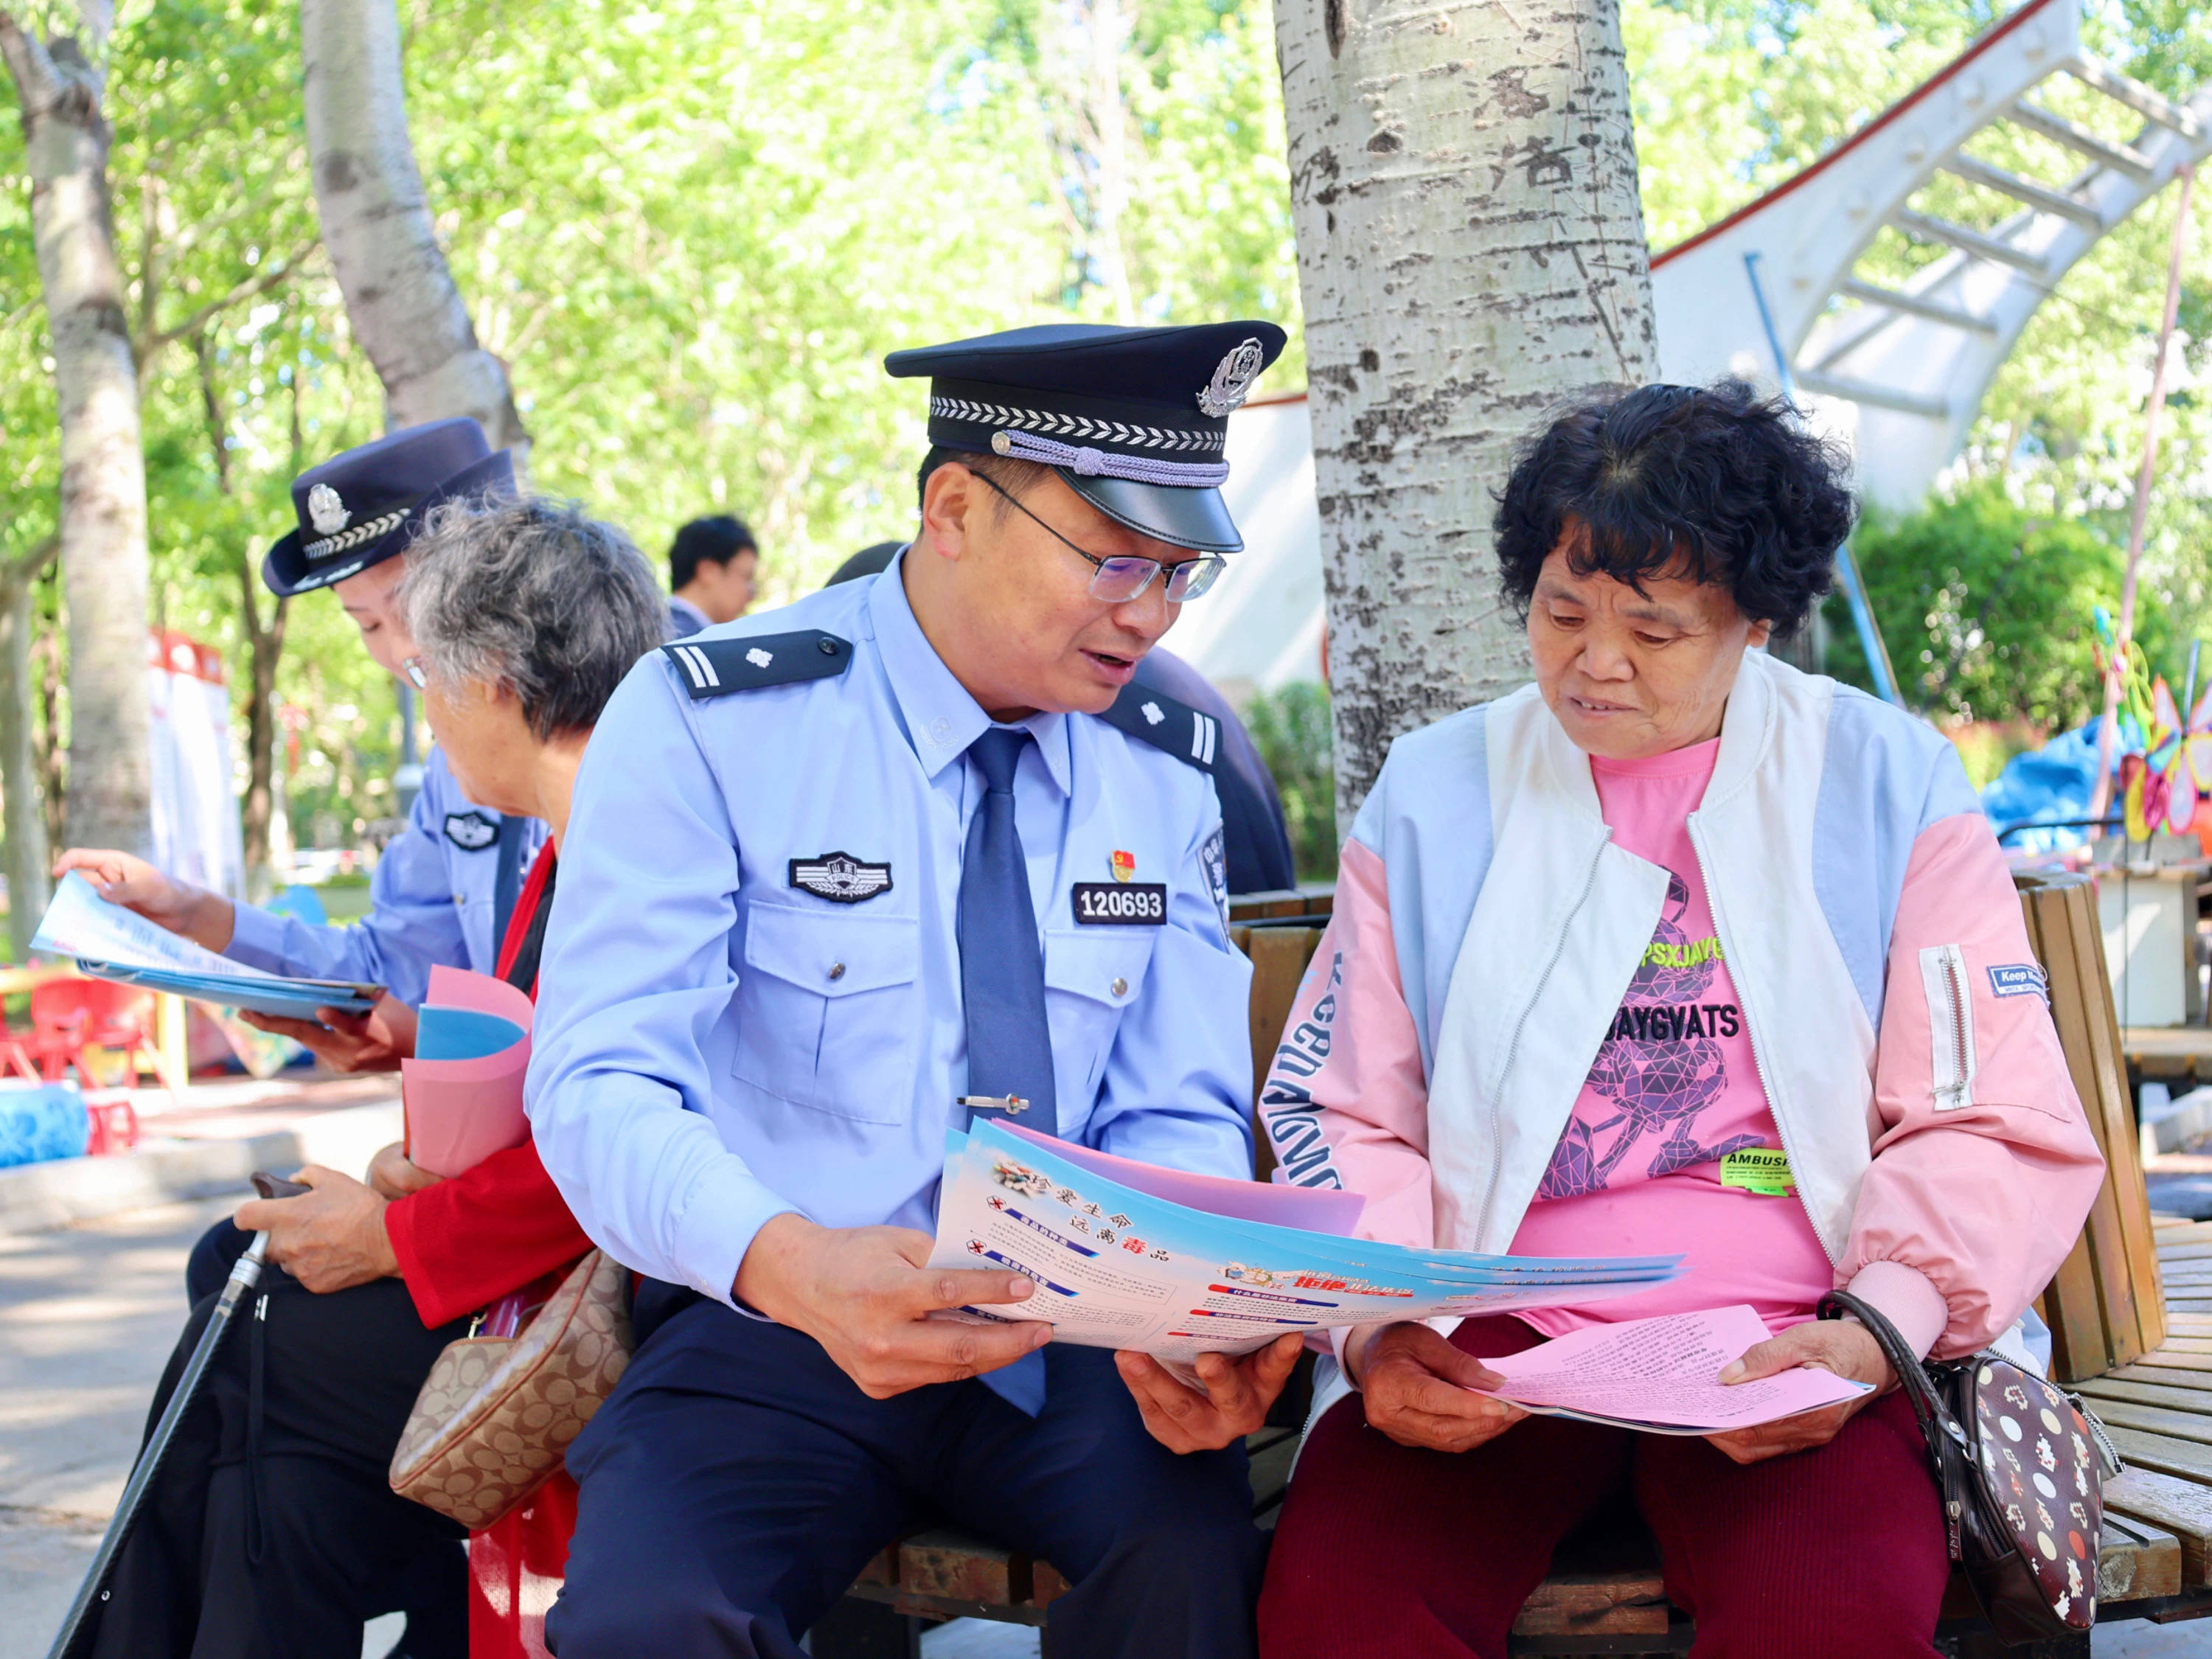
(1671,1146)
(1663,1064)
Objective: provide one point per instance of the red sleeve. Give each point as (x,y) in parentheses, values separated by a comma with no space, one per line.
(468,1241)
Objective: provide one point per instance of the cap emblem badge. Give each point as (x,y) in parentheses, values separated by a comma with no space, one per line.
(1232,378)
(1123,865)
(327,511)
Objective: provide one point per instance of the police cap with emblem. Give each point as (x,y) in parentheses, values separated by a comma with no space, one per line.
(362,507)
(1133,419)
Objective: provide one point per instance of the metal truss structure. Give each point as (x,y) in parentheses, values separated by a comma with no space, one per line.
(1904,367)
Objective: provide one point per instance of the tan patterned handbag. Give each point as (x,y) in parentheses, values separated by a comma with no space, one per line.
(497,1414)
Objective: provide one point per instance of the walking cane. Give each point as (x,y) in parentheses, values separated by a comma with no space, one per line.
(243,1278)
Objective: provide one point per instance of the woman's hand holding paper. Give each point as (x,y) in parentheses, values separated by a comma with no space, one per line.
(1421,1391)
(1830,1344)
(1239,1393)
(329,1239)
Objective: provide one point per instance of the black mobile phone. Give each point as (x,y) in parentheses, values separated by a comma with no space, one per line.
(269,1186)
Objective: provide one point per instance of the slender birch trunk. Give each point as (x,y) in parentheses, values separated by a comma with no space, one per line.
(399,295)
(264,643)
(22,820)
(1470,252)
(103,475)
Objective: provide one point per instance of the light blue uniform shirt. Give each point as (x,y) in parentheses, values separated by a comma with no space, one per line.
(432,901)
(715,1044)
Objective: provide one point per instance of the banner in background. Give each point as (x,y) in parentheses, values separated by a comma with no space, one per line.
(195,828)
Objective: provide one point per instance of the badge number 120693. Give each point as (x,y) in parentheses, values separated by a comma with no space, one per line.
(1120,904)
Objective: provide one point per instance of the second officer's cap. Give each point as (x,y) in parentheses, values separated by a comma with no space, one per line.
(1135,420)
(364,506)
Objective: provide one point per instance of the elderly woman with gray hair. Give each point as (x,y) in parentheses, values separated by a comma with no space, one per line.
(272,1531)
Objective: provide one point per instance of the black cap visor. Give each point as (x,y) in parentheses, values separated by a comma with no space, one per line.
(1196,519)
(286,571)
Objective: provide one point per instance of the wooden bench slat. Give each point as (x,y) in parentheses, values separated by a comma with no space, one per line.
(2188,1460)
(2182,1507)
(960,1568)
(2192,1400)
(1625,1601)
(2140,1561)
(2180,1371)
(2124,1413)
(2121,1258)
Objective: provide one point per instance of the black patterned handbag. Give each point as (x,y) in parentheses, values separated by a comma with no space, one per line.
(2021,1466)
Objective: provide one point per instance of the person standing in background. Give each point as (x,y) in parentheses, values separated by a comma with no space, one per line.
(711,567)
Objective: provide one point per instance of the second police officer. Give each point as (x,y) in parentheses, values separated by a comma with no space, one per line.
(444,886)
(842,877)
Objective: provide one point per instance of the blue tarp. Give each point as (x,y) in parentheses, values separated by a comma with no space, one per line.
(2053,784)
(41,1121)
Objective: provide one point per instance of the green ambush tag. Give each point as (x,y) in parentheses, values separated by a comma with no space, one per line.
(1761,1170)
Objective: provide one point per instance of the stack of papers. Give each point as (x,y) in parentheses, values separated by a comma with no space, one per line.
(1128,1255)
(1663,1376)
(109,942)
(463,1089)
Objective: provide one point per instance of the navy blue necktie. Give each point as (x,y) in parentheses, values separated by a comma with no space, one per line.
(1002,990)
(1001,967)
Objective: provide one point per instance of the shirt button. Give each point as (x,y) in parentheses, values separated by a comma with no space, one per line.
(1120,988)
(836,970)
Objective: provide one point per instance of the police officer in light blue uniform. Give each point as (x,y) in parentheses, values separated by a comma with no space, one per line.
(442,891)
(843,877)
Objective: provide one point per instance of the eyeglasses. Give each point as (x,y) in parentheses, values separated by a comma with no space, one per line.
(1117,581)
(412,667)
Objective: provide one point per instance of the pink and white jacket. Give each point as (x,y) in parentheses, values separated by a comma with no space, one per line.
(1485,930)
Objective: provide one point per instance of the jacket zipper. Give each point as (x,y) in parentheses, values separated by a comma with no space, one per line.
(1751,1029)
(1513,1047)
(1956,994)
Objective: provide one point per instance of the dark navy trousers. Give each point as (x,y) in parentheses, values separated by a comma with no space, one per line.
(738,1480)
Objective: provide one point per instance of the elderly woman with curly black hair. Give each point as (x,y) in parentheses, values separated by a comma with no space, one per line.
(1677,949)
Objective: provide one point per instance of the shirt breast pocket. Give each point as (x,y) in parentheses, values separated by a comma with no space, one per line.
(1090,975)
(829,1010)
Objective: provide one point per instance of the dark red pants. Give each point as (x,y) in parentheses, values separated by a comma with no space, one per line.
(1384,1549)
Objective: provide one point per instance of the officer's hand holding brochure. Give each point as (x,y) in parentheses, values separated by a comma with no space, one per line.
(1128,1255)
(109,942)
(462,1091)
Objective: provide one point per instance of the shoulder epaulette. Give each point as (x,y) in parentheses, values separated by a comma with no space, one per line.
(1189,734)
(714,668)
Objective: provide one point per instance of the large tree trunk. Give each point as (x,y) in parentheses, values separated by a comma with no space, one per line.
(399,296)
(22,820)
(1470,251)
(103,484)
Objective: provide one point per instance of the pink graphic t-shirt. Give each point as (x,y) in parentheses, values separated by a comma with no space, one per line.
(1671,1146)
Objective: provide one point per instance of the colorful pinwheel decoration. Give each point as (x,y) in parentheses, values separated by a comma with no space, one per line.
(2169,764)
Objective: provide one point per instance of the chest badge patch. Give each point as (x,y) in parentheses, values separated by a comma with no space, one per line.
(1117,904)
(471,832)
(1123,865)
(840,877)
